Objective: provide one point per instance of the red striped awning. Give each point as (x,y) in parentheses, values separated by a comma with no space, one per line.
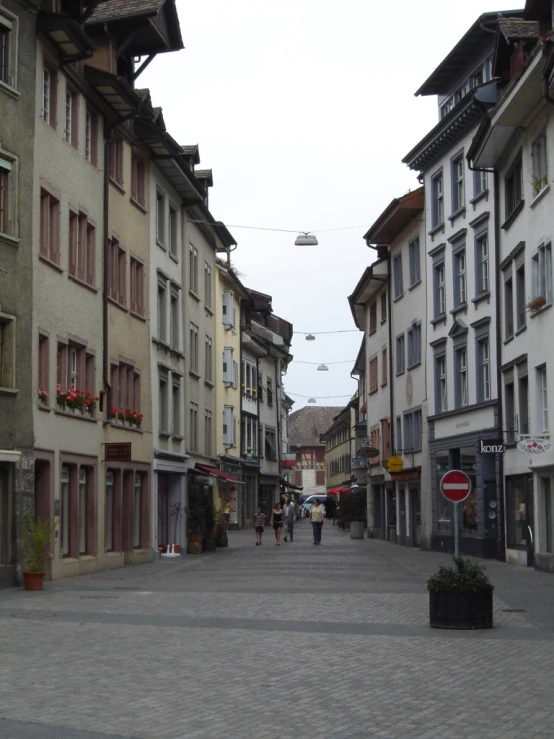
(337,491)
(217,473)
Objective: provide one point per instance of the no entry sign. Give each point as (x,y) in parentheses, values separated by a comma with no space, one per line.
(455,486)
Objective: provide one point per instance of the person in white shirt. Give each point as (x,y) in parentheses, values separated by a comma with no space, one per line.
(290,515)
(316,517)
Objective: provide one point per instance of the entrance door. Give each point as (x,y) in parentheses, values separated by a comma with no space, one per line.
(527,521)
(415,506)
(401,498)
(163,510)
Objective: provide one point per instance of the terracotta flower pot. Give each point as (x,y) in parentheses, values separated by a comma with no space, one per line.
(33,580)
(177,548)
(194,544)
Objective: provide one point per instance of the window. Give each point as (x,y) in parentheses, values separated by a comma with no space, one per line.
(125,389)
(476,78)
(160,217)
(117,283)
(523,397)
(228,426)
(439,289)
(543,425)
(49,96)
(414,345)
(7,351)
(483,371)
(399,447)
(116,159)
(440,369)
(82,248)
(383,307)
(8,41)
(269,390)
(373,317)
(460,284)
(479,183)
(270,444)
(162,311)
(413,253)
(193,348)
(91,138)
(462,398)
(508,306)
(460,93)
(373,376)
(193,269)
(228,309)
(43,368)
(540,163)
(509,407)
(520,296)
(173,231)
(137,286)
(400,354)
(437,201)
(111,475)
(207,285)
(412,431)
(397,276)
(8,195)
(174,319)
(250,436)
(384,368)
(320,477)
(447,107)
(228,367)
(137,513)
(542,273)
(208,433)
(49,226)
(457,173)
(208,359)
(482,263)
(164,402)
(71,118)
(138,180)
(176,406)
(512,187)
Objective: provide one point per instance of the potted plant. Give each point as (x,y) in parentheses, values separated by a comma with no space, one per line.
(175,512)
(195,523)
(352,512)
(460,597)
(536,303)
(36,536)
(43,395)
(221,539)
(208,542)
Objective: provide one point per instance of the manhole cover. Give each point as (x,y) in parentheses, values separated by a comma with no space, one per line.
(514,610)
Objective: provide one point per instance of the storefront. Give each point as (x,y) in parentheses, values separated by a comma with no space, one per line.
(168,500)
(225,487)
(269,493)
(407,506)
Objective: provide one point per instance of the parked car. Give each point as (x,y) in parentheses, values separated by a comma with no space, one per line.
(308,503)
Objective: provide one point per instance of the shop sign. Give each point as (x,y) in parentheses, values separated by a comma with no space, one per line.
(533,445)
(118,452)
(491,446)
(395,464)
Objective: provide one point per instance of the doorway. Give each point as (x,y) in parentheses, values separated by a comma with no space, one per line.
(415,516)
(527,521)
(163,510)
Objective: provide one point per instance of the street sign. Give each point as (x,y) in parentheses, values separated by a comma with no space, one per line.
(455,486)
(395,464)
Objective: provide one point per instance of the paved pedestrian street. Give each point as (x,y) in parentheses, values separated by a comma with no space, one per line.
(290,641)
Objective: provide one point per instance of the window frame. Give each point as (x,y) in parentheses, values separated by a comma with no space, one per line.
(138,180)
(193,269)
(414,345)
(513,180)
(8,356)
(542,397)
(49,96)
(460,276)
(414,261)
(9,216)
(542,272)
(400,354)
(49,241)
(398,276)
(9,51)
(437,200)
(539,163)
(136,285)
(457,180)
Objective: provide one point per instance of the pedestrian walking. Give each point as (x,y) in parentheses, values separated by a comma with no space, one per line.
(276,521)
(259,523)
(290,516)
(316,517)
(227,513)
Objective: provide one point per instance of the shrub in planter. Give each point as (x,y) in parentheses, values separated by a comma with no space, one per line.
(460,597)
(36,536)
(352,508)
(221,539)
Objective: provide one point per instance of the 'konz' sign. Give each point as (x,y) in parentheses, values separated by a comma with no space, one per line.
(491,446)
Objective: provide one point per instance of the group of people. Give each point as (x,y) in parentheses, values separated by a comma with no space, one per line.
(284,518)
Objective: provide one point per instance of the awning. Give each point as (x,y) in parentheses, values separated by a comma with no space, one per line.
(337,491)
(289,485)
(218,473)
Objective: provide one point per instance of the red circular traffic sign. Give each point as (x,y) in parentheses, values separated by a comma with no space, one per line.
(455,486)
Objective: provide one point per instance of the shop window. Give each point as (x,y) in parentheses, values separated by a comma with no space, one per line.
(444,507)
(546,518)
(109,510)
(516,513)
(469,518)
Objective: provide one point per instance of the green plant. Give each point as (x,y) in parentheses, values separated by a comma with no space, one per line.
(352,507)
(468,575)
(36,540)
(220,525)
(537,184)
(175,512)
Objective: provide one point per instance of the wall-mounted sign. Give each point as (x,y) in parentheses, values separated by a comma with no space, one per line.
(533,445)
(118,452)
(395,464)
(491,446)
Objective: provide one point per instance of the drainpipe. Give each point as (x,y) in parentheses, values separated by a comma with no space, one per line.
(277,406)
(392,429)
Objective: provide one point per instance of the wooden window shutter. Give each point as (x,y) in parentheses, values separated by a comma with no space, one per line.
(320,477)
(298,478)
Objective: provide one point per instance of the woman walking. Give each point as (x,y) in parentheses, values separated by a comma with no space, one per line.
(316,517)
(277,522)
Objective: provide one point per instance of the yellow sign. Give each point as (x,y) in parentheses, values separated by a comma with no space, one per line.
(395,464)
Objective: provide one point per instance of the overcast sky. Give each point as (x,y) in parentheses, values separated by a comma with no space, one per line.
(304,109)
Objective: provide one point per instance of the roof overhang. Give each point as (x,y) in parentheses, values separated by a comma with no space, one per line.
(370,283)
(396,216)
(115,90)
(519,100)
(359,364)
(66,35)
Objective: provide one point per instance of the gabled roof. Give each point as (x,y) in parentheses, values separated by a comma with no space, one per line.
(516,29)
(307,424)
(373,278)
(396,216)
(205,174)
(192,151)
(359,364)
(116,10)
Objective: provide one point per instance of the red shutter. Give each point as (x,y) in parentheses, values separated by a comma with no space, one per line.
(133,285)
(91,254)
(298,478)
(81,247)
(320,477)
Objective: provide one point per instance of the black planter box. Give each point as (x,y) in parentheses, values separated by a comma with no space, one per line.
(456,609)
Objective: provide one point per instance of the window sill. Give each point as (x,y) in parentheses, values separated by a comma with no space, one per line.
(122,426)
(174,257)
(194,374)
(540,195)
(164,434)
(383,321)
(482,296)
(399,374)
(10,240)
(416,283)
(9,90)
(461,308)
(209,384)
(8,391)
(117,304)
(540,310)
(436,229)
(413,366)
(513,215)
(375,390)
(42,407)
(177,437)
(397,298)
(140,316)
(371,332)
(161,245)
(84,284)
(78,416)
(50,263)
(117,185)
(194,296)
(208,310)
(478,197)
(383,384)
(441,318)
(138,205)
(520,330)
(508,339)
(454,217)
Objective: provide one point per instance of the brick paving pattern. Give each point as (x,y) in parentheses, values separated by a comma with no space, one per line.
(286,642)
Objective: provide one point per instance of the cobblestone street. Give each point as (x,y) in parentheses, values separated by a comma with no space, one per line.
(290,641)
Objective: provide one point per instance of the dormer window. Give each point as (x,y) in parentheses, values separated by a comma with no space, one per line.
(476,78)
(447,107)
